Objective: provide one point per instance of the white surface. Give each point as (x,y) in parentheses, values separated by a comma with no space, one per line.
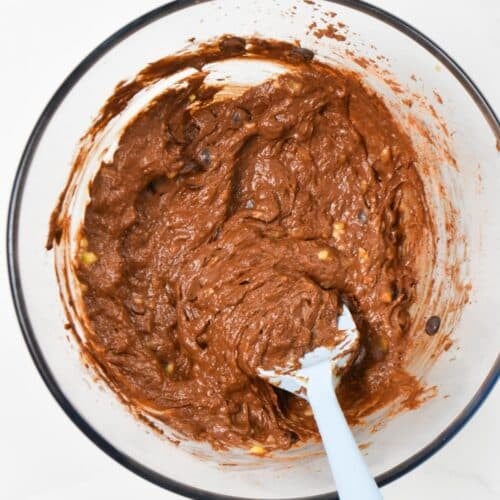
(42,454)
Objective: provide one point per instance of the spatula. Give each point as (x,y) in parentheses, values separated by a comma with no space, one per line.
(316,380)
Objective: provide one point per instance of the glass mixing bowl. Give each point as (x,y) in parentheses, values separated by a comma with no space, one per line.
(447,113)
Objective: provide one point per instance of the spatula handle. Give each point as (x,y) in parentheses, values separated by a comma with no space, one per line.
(349,469)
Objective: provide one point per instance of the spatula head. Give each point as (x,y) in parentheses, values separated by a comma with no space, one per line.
(340,356)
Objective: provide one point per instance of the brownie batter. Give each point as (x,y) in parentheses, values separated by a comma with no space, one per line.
(225,235)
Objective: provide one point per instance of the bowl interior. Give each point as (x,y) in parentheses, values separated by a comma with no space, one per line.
(459,164)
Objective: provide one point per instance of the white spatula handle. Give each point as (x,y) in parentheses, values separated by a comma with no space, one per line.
(351,474)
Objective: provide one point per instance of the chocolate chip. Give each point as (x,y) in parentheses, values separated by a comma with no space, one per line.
(232,45)
(205,156)
(432,325)
(302,53)
(239,116)
(362,217)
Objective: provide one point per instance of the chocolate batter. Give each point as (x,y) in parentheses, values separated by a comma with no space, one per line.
(225,234)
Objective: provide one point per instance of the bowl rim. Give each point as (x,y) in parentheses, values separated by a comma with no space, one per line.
(13,263)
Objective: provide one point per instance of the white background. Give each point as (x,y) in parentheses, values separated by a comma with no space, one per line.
(43,456)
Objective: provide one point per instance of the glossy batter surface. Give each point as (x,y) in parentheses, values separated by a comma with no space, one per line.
(224,236)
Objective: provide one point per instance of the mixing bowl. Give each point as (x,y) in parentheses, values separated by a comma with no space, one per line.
(457,137)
